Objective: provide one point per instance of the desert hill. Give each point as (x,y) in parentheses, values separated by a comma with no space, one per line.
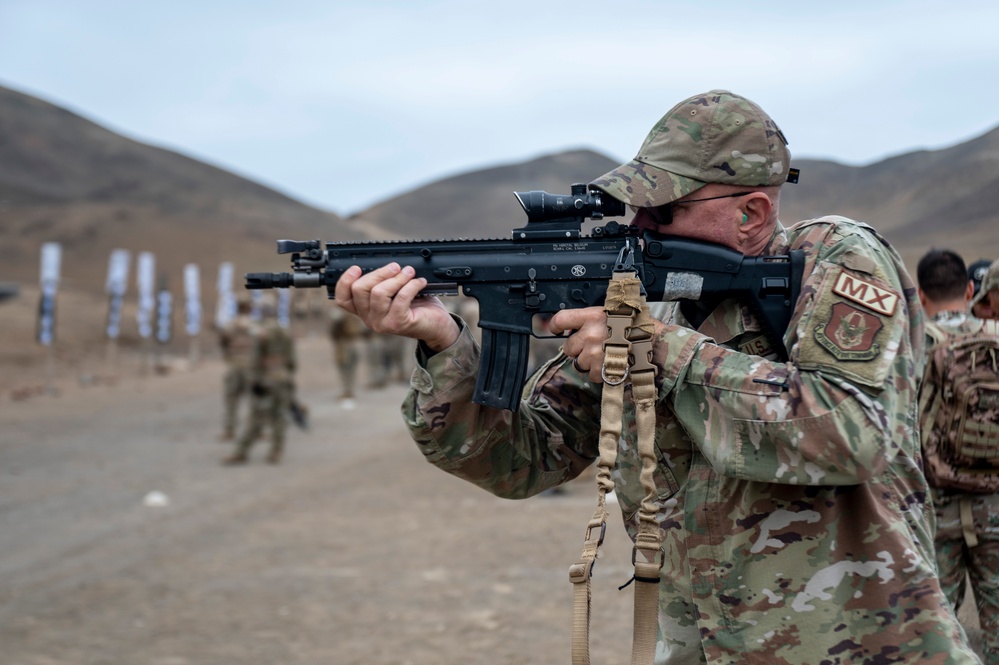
(480,204)
(942,198)
(64,178)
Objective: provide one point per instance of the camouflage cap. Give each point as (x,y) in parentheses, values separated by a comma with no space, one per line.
(989,282)
(714,137)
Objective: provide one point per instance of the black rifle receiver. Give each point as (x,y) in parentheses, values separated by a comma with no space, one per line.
(549,265)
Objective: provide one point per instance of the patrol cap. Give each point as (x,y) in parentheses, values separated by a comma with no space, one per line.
(989,281)
(713,137)
(976,273)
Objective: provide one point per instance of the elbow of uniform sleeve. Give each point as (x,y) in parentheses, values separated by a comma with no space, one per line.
(439,384)
(673,351)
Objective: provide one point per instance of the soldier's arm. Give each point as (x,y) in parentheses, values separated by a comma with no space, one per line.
(551,439)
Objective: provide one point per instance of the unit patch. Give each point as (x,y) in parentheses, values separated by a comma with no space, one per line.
(855,328)
(864,293)
(849,334)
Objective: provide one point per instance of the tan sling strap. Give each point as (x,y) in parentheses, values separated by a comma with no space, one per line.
(967,521)
(627,355)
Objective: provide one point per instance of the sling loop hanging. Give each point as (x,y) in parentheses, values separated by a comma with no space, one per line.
(627,358)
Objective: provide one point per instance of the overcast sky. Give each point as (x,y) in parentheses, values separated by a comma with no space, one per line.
(343,104)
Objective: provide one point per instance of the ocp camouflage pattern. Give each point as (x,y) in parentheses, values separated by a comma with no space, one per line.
(713,137)
(794,514)
(956,559)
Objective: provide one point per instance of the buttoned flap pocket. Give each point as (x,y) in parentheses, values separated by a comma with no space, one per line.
(628,487)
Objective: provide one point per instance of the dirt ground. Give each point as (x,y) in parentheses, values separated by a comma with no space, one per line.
(352,551)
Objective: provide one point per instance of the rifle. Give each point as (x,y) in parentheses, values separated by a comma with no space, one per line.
(549,265)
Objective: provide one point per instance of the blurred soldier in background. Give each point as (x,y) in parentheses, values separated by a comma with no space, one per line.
(236,340)
(386,358)
(985,304)
(347,335)
(959,403)
(272,369)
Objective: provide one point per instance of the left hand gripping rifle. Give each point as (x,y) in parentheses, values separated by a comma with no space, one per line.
(550,265)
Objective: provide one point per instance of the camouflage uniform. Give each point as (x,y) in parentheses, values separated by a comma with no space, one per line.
(955,559)
(346,331)
(236,340)
(273,368)
(791,501)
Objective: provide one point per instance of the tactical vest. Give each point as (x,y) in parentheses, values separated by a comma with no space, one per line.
(959,410)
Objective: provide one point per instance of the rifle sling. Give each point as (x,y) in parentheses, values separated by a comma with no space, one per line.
(627,356)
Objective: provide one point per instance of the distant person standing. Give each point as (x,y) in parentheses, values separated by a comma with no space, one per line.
(272,370)
(959,422)
(347,335)
(236,339)
(985,304)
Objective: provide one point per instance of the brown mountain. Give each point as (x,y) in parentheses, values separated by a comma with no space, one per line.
(64,178)
(929,198)
(943,198)
(480,204)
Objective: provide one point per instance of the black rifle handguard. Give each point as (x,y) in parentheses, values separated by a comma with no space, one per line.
(549,265)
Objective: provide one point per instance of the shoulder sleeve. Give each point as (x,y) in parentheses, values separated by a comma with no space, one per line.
(856,315)
(843,406)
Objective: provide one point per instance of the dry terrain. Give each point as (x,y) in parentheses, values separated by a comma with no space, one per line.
(353,551)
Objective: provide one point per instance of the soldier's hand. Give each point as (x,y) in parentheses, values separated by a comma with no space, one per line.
(386,300)
(586,343)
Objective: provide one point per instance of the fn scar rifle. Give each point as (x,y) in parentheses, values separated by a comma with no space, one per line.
(549,265)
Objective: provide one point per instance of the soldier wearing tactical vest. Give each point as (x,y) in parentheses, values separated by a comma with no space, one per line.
(959,407)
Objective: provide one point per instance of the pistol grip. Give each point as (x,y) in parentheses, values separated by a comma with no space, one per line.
(503,368)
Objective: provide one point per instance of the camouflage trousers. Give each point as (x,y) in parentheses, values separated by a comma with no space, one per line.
(955,558)
(269,407)
(235,384)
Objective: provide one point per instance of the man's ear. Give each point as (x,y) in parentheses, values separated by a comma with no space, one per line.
(756,208)
(922,297)
(969,293)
